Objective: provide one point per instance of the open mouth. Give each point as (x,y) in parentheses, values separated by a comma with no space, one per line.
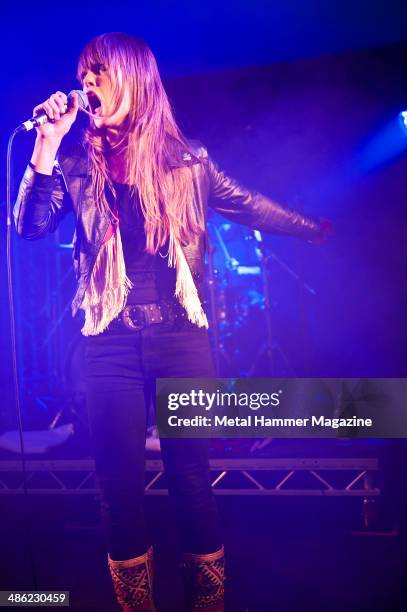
(94,103)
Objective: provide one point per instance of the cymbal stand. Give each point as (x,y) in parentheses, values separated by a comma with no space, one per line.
(266,255)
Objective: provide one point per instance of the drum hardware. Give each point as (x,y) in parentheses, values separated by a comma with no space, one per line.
(241,302)
(217,310)
(231,262)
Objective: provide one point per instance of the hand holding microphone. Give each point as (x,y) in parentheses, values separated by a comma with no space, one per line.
(52,120)
(54,117)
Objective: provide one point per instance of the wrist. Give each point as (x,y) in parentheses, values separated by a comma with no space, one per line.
(44,154)
(49,143)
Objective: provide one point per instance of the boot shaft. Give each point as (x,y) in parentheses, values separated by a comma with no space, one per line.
(204,576)
(133,582)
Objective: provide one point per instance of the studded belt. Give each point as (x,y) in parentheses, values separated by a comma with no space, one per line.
(138,316)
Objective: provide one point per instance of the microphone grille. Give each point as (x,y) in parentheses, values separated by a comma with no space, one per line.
(82,97)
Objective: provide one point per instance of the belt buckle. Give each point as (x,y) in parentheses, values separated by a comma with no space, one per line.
(153,313)
(129,322)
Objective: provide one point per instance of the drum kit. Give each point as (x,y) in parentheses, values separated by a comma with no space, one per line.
(240,302)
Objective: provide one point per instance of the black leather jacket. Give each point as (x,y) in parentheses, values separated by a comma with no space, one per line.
(44,200)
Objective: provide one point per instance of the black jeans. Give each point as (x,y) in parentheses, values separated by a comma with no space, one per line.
(120,363)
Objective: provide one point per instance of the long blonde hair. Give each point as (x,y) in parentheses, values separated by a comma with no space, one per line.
(151,140)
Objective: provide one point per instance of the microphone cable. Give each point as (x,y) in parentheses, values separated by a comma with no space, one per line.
(16,386)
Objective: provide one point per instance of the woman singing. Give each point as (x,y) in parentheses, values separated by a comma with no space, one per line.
(139,192)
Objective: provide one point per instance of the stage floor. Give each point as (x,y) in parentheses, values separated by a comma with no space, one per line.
(283,554)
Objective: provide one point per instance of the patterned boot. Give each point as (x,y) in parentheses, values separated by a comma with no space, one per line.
(133,582)
(204,577)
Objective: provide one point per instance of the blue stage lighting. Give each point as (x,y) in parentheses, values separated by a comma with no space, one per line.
(403,120)
(388,143)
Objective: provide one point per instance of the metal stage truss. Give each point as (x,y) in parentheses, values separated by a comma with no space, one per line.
(264,476)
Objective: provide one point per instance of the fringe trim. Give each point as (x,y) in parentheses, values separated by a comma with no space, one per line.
(108,288)
(106,294)
(185,289)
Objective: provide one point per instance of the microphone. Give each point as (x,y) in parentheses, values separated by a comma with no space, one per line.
(42,116)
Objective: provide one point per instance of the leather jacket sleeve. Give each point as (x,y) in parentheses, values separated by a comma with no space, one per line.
(251,208)
(41,203)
